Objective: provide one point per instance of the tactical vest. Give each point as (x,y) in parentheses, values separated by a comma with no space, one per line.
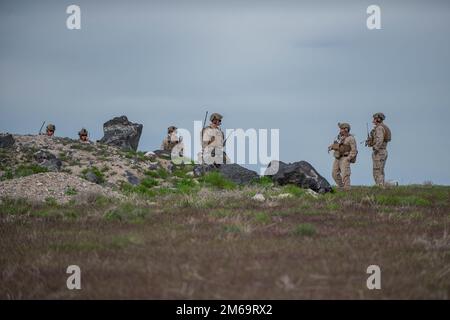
(168,145)
(387,133)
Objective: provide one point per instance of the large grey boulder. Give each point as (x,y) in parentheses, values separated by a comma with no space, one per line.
(122,133)
(233,172)
(299,173)
(6,140)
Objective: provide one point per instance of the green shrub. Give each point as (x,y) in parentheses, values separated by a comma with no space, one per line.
(305,229)
(15,206)
(162,173)
(333,206)
(232,229)
(71,191)
(186,185)
(149,182)
(153,174)
(264,181)
(27,170)
(216,179)
(138,155)
(396,200)
(294,190)
(50,201)
(262,217)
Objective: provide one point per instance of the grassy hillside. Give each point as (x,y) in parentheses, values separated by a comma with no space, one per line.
(212,240)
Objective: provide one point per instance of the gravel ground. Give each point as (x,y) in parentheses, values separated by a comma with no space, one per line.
(57,185)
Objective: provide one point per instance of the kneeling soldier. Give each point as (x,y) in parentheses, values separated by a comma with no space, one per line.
(172,142)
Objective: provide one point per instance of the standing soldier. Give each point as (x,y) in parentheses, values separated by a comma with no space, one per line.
(50,130)
(378,140)
(345,153)
(213,142)
(172,141)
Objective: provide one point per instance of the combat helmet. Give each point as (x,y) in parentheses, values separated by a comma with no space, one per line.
(215,116)
(380,116)
(344,125)
(83,132)
(51,127)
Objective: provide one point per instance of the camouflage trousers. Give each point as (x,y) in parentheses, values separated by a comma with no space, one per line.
(379,161)
(341,172)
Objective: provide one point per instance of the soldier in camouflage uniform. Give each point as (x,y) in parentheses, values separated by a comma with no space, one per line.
(378,139)
(212,139)
(50,130)
(172,141)
(345,152)
(83,134)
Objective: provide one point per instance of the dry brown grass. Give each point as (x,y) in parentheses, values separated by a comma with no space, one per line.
(198,246)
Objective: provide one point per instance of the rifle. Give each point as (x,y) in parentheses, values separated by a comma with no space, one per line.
(201,135)
(40,130)
(335,145)
(366,143)
(225,141)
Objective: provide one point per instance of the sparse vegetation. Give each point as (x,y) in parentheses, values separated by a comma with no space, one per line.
(23,170)
(137,155)
(182,237)
(217,180)
(245,246)
(294,190)
(70,191)
(305,229)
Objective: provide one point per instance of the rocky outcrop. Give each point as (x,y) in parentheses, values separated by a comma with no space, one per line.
(6,140)
(47,160)
(122,133)
(300,173)
(233,172)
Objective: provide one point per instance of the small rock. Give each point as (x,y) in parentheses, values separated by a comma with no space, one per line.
(43,155)
(150,154)
(52,164)
(153,166)
(312,193)
(132,178)
(92,177)
(259,197)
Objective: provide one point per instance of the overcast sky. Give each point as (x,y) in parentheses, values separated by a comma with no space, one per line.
(297,66)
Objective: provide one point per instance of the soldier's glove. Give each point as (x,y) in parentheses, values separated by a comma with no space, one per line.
(212,140)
